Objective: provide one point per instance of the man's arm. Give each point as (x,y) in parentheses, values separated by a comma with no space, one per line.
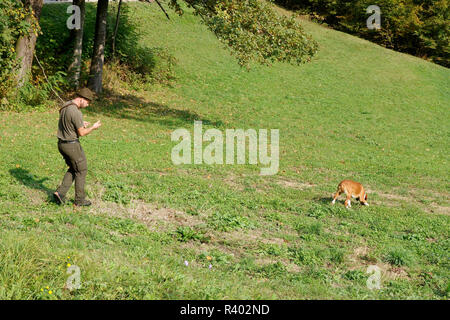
(85,131)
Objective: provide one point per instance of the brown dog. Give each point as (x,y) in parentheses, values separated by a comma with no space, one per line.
(351,189)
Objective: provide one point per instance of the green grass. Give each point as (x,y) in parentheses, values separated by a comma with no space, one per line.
(356,111)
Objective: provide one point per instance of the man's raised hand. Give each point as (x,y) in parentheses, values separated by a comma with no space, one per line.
(97,125)
(85,131)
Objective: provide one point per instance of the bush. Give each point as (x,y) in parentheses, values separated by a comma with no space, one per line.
(302,256)
(399,257)
(229,221)
(153,65)
(255,32)
(316,211)
(132,62)
(185,234)
(12,25)
(355,275)
(421,28)
(312,228)
(337,255)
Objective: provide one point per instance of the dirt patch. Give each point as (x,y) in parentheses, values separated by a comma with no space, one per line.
(237,244)
(236,183)
(358,255)
(360,260)
(156,218)
(394,200)
(233,182)
(434,208)
(295,184)
(251,237)
(290,267)
(236,253)
(35,197)
(386,196)
(395,197)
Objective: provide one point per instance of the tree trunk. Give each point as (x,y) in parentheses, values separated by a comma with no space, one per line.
(115,29)
(98,54)
(25,44)
(75,66)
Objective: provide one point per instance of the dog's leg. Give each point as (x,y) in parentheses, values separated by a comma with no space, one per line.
(338,193)
(348,203)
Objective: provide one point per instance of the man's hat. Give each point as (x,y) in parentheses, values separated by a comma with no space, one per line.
(86,93)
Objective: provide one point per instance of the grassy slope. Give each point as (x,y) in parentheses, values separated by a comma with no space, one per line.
(357,111)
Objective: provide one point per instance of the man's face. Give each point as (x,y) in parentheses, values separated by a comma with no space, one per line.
(84,102)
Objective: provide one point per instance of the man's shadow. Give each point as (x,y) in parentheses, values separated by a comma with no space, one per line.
(31,181)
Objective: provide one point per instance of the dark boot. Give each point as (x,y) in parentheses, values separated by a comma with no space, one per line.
(84,203)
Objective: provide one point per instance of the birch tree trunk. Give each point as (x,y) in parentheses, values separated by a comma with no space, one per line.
(98,54)
(75,66)
(115,29)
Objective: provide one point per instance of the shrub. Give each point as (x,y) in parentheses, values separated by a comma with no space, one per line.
(312,228)
(185,234)
(132,63)
(317,211)
(273,270)
(12,25)
(337,255)
(301,256)
(355,275)
(399,257)
(255,32)
(229,221)
(421,28)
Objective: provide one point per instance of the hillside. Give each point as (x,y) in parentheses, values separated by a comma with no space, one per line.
(356,111)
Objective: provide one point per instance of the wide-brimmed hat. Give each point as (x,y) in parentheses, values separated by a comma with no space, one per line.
(86,93)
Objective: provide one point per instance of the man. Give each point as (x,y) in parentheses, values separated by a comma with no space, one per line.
(70,127)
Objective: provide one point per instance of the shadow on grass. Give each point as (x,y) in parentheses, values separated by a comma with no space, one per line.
(323,200)
(138,57)
(131,107)
(31,181)
(327,201)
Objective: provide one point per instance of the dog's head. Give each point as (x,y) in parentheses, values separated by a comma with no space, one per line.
(364,200)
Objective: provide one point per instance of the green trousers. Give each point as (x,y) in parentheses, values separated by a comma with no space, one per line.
(75,158)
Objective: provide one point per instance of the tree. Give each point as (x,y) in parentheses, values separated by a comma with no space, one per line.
(250,28)
(98,53)
(27,42)
(75,66)
(116,28)
(12,27)
(253,31)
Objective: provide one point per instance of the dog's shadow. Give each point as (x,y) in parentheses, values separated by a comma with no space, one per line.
(327,200)
(324,200)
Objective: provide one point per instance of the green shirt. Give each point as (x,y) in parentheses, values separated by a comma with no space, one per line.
(70,120)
